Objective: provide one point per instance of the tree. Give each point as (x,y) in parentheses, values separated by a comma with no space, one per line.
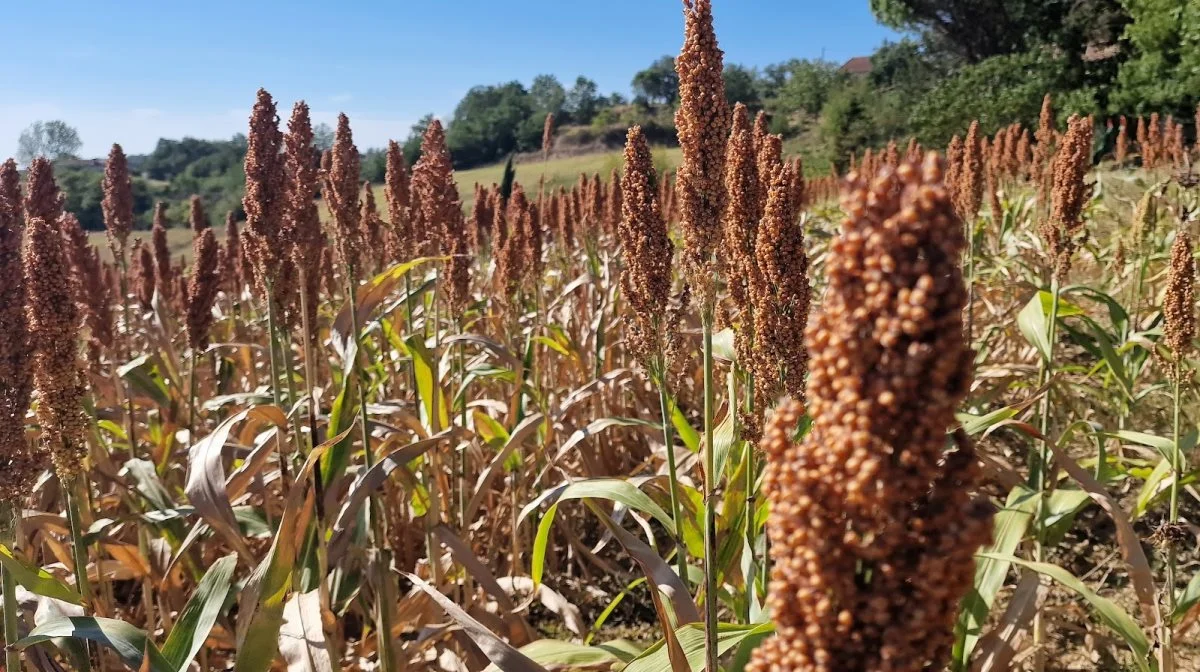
(51,139)
(658,83)
(583,100)
(322,137)
(741,86)
(846,123)
(1164,73)
(547,95)
(412,144)
(806,85)
(486,123)
(979,29)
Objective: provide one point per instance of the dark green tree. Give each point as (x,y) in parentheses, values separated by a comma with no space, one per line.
(659,83)
(583,100)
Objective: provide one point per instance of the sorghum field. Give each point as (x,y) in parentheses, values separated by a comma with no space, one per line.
(939,412)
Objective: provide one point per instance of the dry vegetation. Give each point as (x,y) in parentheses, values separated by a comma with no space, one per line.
(597,425)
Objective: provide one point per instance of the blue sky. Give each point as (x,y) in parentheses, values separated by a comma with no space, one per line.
(132,71)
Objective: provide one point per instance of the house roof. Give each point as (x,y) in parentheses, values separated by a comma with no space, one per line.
(859,65)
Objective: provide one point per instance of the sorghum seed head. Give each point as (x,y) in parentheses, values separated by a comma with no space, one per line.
(341,193)
(1179,304)
(144,276)
(18,461)
(398,192)
(434,189)
(117,204)
(647,250)
(871,488)
(1069,194)
(702,121)
(202,288)
(54,323)
(42,197)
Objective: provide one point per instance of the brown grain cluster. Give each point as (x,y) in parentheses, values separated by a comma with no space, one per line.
(873,525)
(1043,149)
(548,136)
(341,193)
(143,275)
(1179,302)
(647,252)
(1152,149)
(301,221)
(968,192)
(435,195)
(1122,147)
(163,275)
(740,225)
(264,201)
(117,204)
(54,324)
(480,222)
(19,462)
(371,226)
(1069,193)
(780,289)
(702,121)
(43,200)
(204,281)
(396,189)
(91,290)
(511,260)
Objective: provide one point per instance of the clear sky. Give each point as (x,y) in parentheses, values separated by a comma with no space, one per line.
(132,71)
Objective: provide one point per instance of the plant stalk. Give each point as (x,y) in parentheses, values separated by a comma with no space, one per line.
(10,520)
(377,524)
(668,429)
(710,500)
(80,557)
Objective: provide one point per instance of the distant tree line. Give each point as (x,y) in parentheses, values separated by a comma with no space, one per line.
(958,60)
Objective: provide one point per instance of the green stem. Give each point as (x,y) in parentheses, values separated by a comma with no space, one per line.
(285,358)
(276,395)
(970,283)
(1040,472)
(377,524)
(710,500)
(1172,559)
(751,497)
(192,398)
(11,521)
(80,554)
(672,471)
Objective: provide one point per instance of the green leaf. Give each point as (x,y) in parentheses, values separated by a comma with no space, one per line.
(1188,598)
(1164,446)
(684,429)
(37,580)
(341,417)
(131,644)
(261,602)
(977,424)
(428,389)
(723,441)
(556,654)
(612,605)
(1156,483)
(722,345)
(144,376)
(1109,613)
(1034,320)
(1010,525)
(199,614)
(691,640)
(603,488)
(540,541)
